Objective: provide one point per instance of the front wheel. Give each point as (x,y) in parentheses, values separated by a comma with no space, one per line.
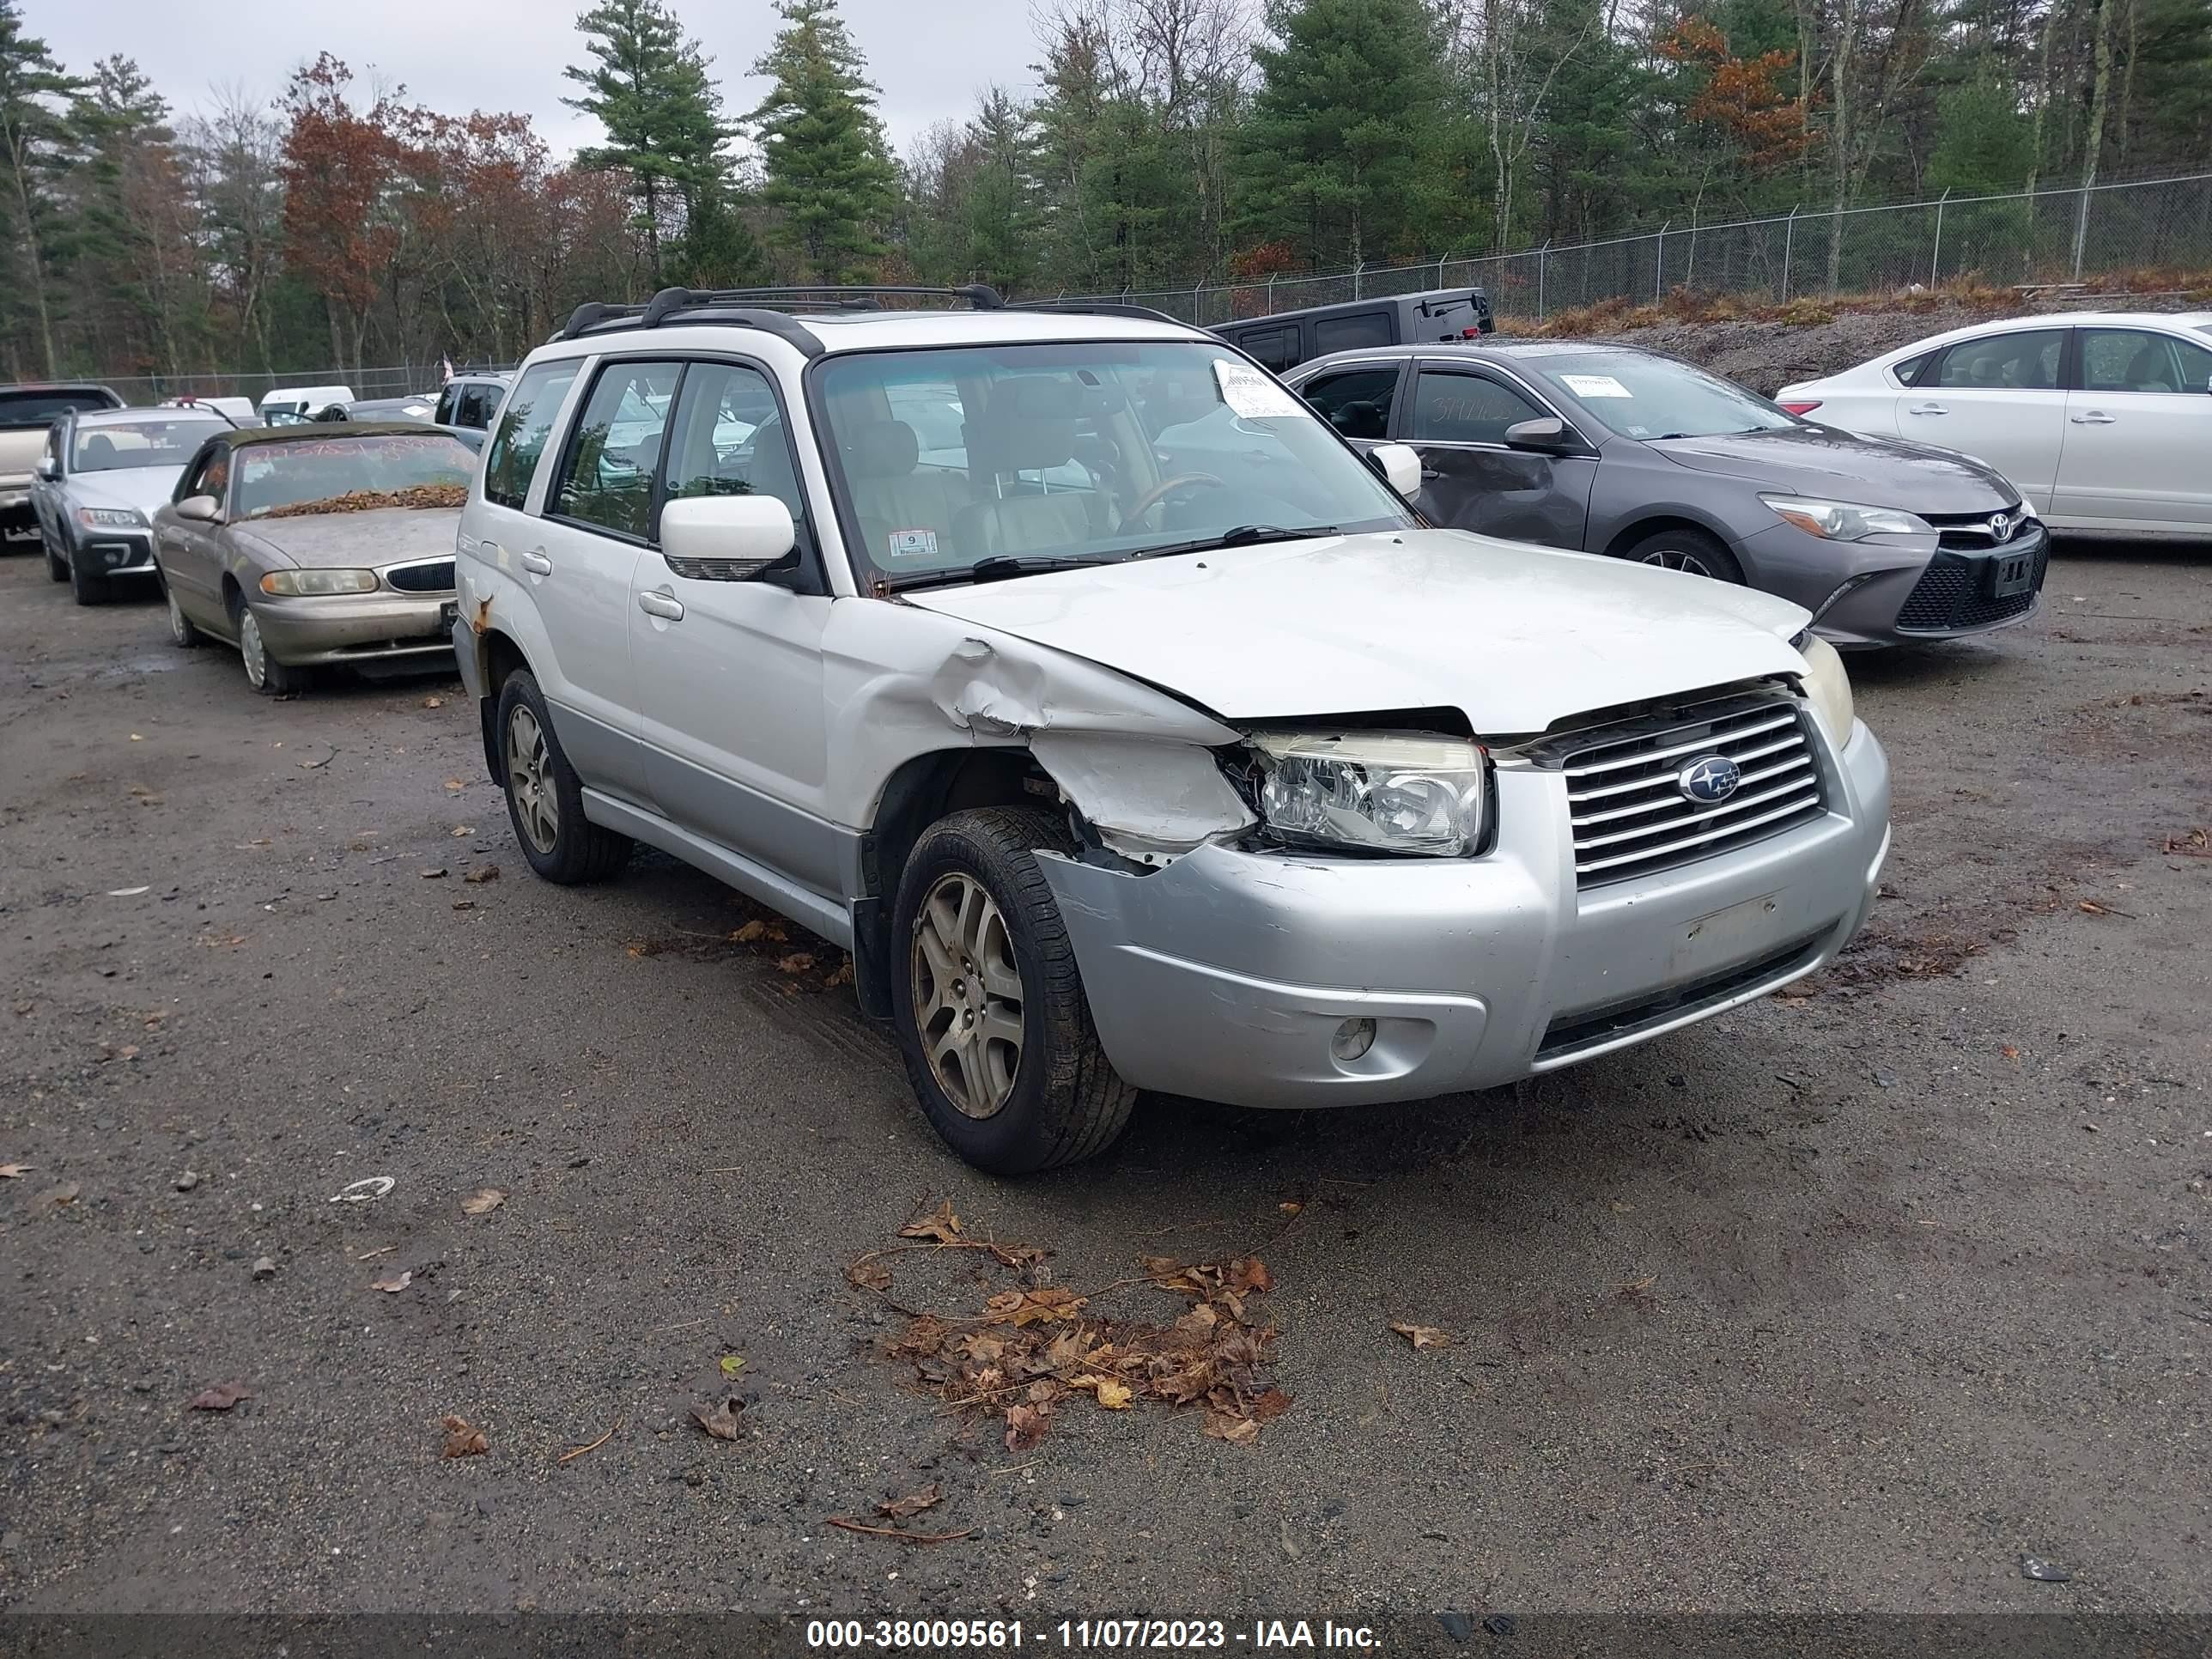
(182,632)
(87,587)
(263,672)
(544,796)
(1692,551)
(56,562)
(992,1020)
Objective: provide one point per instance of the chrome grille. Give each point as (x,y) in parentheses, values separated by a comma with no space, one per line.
(1631,817)
(428,577)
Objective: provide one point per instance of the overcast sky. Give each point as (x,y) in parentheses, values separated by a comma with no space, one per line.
(930,57)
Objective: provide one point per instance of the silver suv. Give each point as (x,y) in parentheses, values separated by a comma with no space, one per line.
(1124,723)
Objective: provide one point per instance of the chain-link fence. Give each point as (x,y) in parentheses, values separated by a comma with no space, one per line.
(2048,237)
(394,381)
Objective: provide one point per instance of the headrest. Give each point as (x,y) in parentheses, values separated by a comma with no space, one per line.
(98,445)
(884,449)
(1029,423)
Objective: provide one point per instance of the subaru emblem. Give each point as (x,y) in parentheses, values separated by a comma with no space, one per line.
(2001,527)
(1708,780)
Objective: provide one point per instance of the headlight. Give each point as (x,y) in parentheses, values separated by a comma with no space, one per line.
(312,583)
(110,518)
(1827,686)
(1381,792)
(1846,521)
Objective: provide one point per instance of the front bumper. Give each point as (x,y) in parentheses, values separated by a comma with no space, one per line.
(1877,593)
(116,552)
(355,628)
(1227,974)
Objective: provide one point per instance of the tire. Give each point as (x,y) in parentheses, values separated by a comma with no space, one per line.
(1687,549)
(183,632)
(56,564)
(270,678)
(1056,1098)
(545,797)
(85,587)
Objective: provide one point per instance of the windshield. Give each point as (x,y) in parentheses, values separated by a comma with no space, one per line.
(44,408)
(1046,453)
(274,476)
(1641,396)
(141,443)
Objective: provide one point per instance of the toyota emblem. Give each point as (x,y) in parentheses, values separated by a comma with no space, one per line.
(2001,527)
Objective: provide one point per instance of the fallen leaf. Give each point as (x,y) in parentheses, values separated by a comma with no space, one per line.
(1619,1208)
(1237,1431)
(1423,1336)
(1250,1277)
(128,1051)
(940,1225)
(1640,1286)
(841,974)
(1291,1207)
(480,874)
(1032,1307)
(721,1421)
(220,1398)
(464,904)
(484,1202)
(57,1196)
(432,875)
(454,786)
(463,1439)
(463,832)
(1113,1394)
(869,1274)
(400,1282)
(899,1508)
(2092,908)
(1026,1425)
(797,962)
(2010,1052)
(751,931)
(1272,1404)
(15,1171)
(434,703)
(731,1364)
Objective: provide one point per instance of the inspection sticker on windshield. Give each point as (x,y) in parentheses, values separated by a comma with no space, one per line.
(1250,394)
(913,543)
(1595,386)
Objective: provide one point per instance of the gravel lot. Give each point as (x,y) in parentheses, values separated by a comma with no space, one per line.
(1846,1301)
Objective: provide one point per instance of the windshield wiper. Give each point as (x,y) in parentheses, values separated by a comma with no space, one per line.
(997,568)
(1244,535)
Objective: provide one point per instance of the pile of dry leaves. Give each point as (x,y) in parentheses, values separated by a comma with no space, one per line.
(1034,1346)
(373,501)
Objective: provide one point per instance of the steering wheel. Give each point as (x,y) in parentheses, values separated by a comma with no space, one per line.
(1161,491)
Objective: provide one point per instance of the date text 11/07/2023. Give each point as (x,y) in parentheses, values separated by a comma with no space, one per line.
(1087,1634)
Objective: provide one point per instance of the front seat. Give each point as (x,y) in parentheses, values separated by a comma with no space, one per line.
(894,499)
(1029,427)
(99,453)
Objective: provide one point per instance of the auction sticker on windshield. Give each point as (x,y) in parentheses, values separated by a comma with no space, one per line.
(913,543)
(1595,386)
(1253,395)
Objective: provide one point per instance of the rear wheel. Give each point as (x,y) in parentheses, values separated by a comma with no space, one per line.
(544,796)
(182,633)
(989,1008)
(1692,551)
(263,672)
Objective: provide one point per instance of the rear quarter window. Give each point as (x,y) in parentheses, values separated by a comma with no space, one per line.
(523,427)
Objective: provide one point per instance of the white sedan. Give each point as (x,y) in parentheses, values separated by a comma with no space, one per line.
(2103,420)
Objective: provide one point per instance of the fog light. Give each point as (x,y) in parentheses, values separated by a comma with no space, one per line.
(113,556)
(1353,1038)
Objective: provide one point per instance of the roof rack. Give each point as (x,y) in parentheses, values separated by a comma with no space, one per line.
(756,307)
(1101,308)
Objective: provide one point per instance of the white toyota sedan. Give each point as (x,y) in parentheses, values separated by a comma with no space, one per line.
(2103,420)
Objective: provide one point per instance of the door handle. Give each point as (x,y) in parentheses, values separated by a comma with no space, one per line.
(537,564)
(1431,473)
(666,606)
(2094,417)
(1928,409)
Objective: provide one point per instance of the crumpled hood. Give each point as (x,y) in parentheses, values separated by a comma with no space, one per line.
(142,488)
(1516,637)
(1831,464)
(360,541)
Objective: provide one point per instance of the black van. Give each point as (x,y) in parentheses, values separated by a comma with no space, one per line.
(1289,337)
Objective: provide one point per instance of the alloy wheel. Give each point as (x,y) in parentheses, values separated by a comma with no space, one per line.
(968,994)
(1679,558)
(528,776)
(178,628)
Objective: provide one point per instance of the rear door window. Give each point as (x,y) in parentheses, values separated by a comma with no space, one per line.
(2024,361)
(1355,401)
(607,473)
(523,430)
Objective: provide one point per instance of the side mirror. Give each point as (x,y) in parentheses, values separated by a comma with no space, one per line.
(1545,433)
(725,539)
(48,472)
(1399,465)
(200,509)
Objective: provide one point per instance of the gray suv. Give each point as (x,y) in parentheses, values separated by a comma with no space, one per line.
(1612,450)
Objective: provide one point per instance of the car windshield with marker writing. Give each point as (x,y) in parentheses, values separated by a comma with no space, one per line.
(1654,398)
(984,462)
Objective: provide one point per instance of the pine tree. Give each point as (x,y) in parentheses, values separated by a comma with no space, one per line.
(830,175)
(34,151)
(1002,217)
(1349,117)
(663,116)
